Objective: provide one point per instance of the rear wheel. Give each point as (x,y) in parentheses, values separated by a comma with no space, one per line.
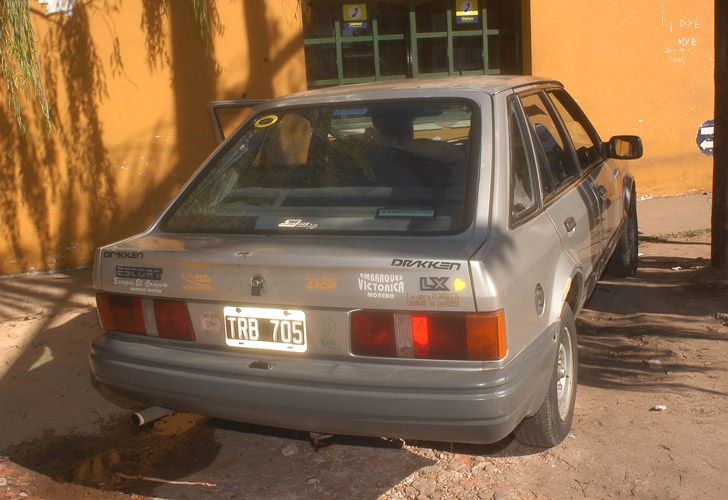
(551,423)
(623,262)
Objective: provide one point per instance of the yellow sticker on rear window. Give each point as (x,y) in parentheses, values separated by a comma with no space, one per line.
(266,121)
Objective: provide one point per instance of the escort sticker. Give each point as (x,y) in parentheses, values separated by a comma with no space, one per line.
(140,279)
(150,273)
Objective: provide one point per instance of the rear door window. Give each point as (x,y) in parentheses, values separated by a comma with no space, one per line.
(523,180)
(556,164)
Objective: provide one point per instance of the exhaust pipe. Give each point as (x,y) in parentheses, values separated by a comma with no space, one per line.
(151,414)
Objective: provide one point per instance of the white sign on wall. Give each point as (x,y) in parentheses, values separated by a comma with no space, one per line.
(58,7)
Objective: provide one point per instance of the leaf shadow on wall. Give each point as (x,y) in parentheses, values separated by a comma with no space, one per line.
(63,195)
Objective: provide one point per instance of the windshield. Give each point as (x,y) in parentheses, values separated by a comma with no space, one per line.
(360,167)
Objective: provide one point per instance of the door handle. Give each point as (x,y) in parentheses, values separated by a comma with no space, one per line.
(601,192)
(615,173)
(570,224)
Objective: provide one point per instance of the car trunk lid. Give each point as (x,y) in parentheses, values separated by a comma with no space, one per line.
(293,271)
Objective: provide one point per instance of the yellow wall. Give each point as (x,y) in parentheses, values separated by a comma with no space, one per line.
(636,67)
(128,85)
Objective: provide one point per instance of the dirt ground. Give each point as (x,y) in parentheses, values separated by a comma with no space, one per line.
(658,340)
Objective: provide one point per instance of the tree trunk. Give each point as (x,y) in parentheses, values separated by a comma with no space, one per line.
(719,220)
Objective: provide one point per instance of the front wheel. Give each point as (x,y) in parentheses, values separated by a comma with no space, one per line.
(551,423)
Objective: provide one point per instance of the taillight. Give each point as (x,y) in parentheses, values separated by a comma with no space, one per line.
(374,334)
(123,313)
(173,320)
(432,335)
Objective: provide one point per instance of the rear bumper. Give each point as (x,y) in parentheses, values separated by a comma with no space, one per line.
(443,403)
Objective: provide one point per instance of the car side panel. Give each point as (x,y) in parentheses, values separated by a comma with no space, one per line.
(515,260)
(575,215)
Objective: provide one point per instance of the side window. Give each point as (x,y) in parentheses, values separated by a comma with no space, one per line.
(555,161)
(583,136)
(523,180)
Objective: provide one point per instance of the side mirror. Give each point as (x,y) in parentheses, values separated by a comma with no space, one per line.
(624,147)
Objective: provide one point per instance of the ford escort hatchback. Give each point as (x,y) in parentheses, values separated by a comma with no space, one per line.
(401,259)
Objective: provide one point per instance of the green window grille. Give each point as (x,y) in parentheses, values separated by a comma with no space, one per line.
(410,39)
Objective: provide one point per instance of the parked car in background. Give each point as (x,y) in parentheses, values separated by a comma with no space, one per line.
(401,259)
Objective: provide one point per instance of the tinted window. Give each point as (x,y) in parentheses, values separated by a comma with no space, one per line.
(400,166)
(586,141)
(555,161)
(523,179)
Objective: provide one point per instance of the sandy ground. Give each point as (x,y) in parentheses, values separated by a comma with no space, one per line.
(660,338)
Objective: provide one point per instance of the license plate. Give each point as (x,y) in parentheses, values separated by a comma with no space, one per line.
(270,329)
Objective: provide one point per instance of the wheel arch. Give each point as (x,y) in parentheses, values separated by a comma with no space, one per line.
(630,192)
(568,288)
(573,296)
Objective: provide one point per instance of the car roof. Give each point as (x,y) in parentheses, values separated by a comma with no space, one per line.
(488,84)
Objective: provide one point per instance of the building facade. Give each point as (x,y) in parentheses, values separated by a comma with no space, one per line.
(128,83)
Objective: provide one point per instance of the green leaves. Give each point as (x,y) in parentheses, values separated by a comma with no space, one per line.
(19,64)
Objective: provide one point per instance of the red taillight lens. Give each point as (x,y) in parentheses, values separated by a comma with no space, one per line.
(373,334)
(121,313)
(457,336)
(421,335)
(173,320)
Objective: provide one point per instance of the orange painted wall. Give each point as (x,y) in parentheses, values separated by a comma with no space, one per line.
(636,67)
(128,84)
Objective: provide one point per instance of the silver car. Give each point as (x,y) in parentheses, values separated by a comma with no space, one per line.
(401,259)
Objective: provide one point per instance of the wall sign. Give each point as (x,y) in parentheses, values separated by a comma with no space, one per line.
(466,12)
(355,15)
(58,7)
(705,137)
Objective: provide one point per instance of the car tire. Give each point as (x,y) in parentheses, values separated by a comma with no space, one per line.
(552,422)
(623,262)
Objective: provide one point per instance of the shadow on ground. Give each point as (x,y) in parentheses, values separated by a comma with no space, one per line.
(629,322)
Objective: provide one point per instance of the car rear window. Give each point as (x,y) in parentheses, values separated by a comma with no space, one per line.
(359,167)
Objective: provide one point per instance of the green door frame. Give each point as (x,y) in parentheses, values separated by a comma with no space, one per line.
(414,37)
